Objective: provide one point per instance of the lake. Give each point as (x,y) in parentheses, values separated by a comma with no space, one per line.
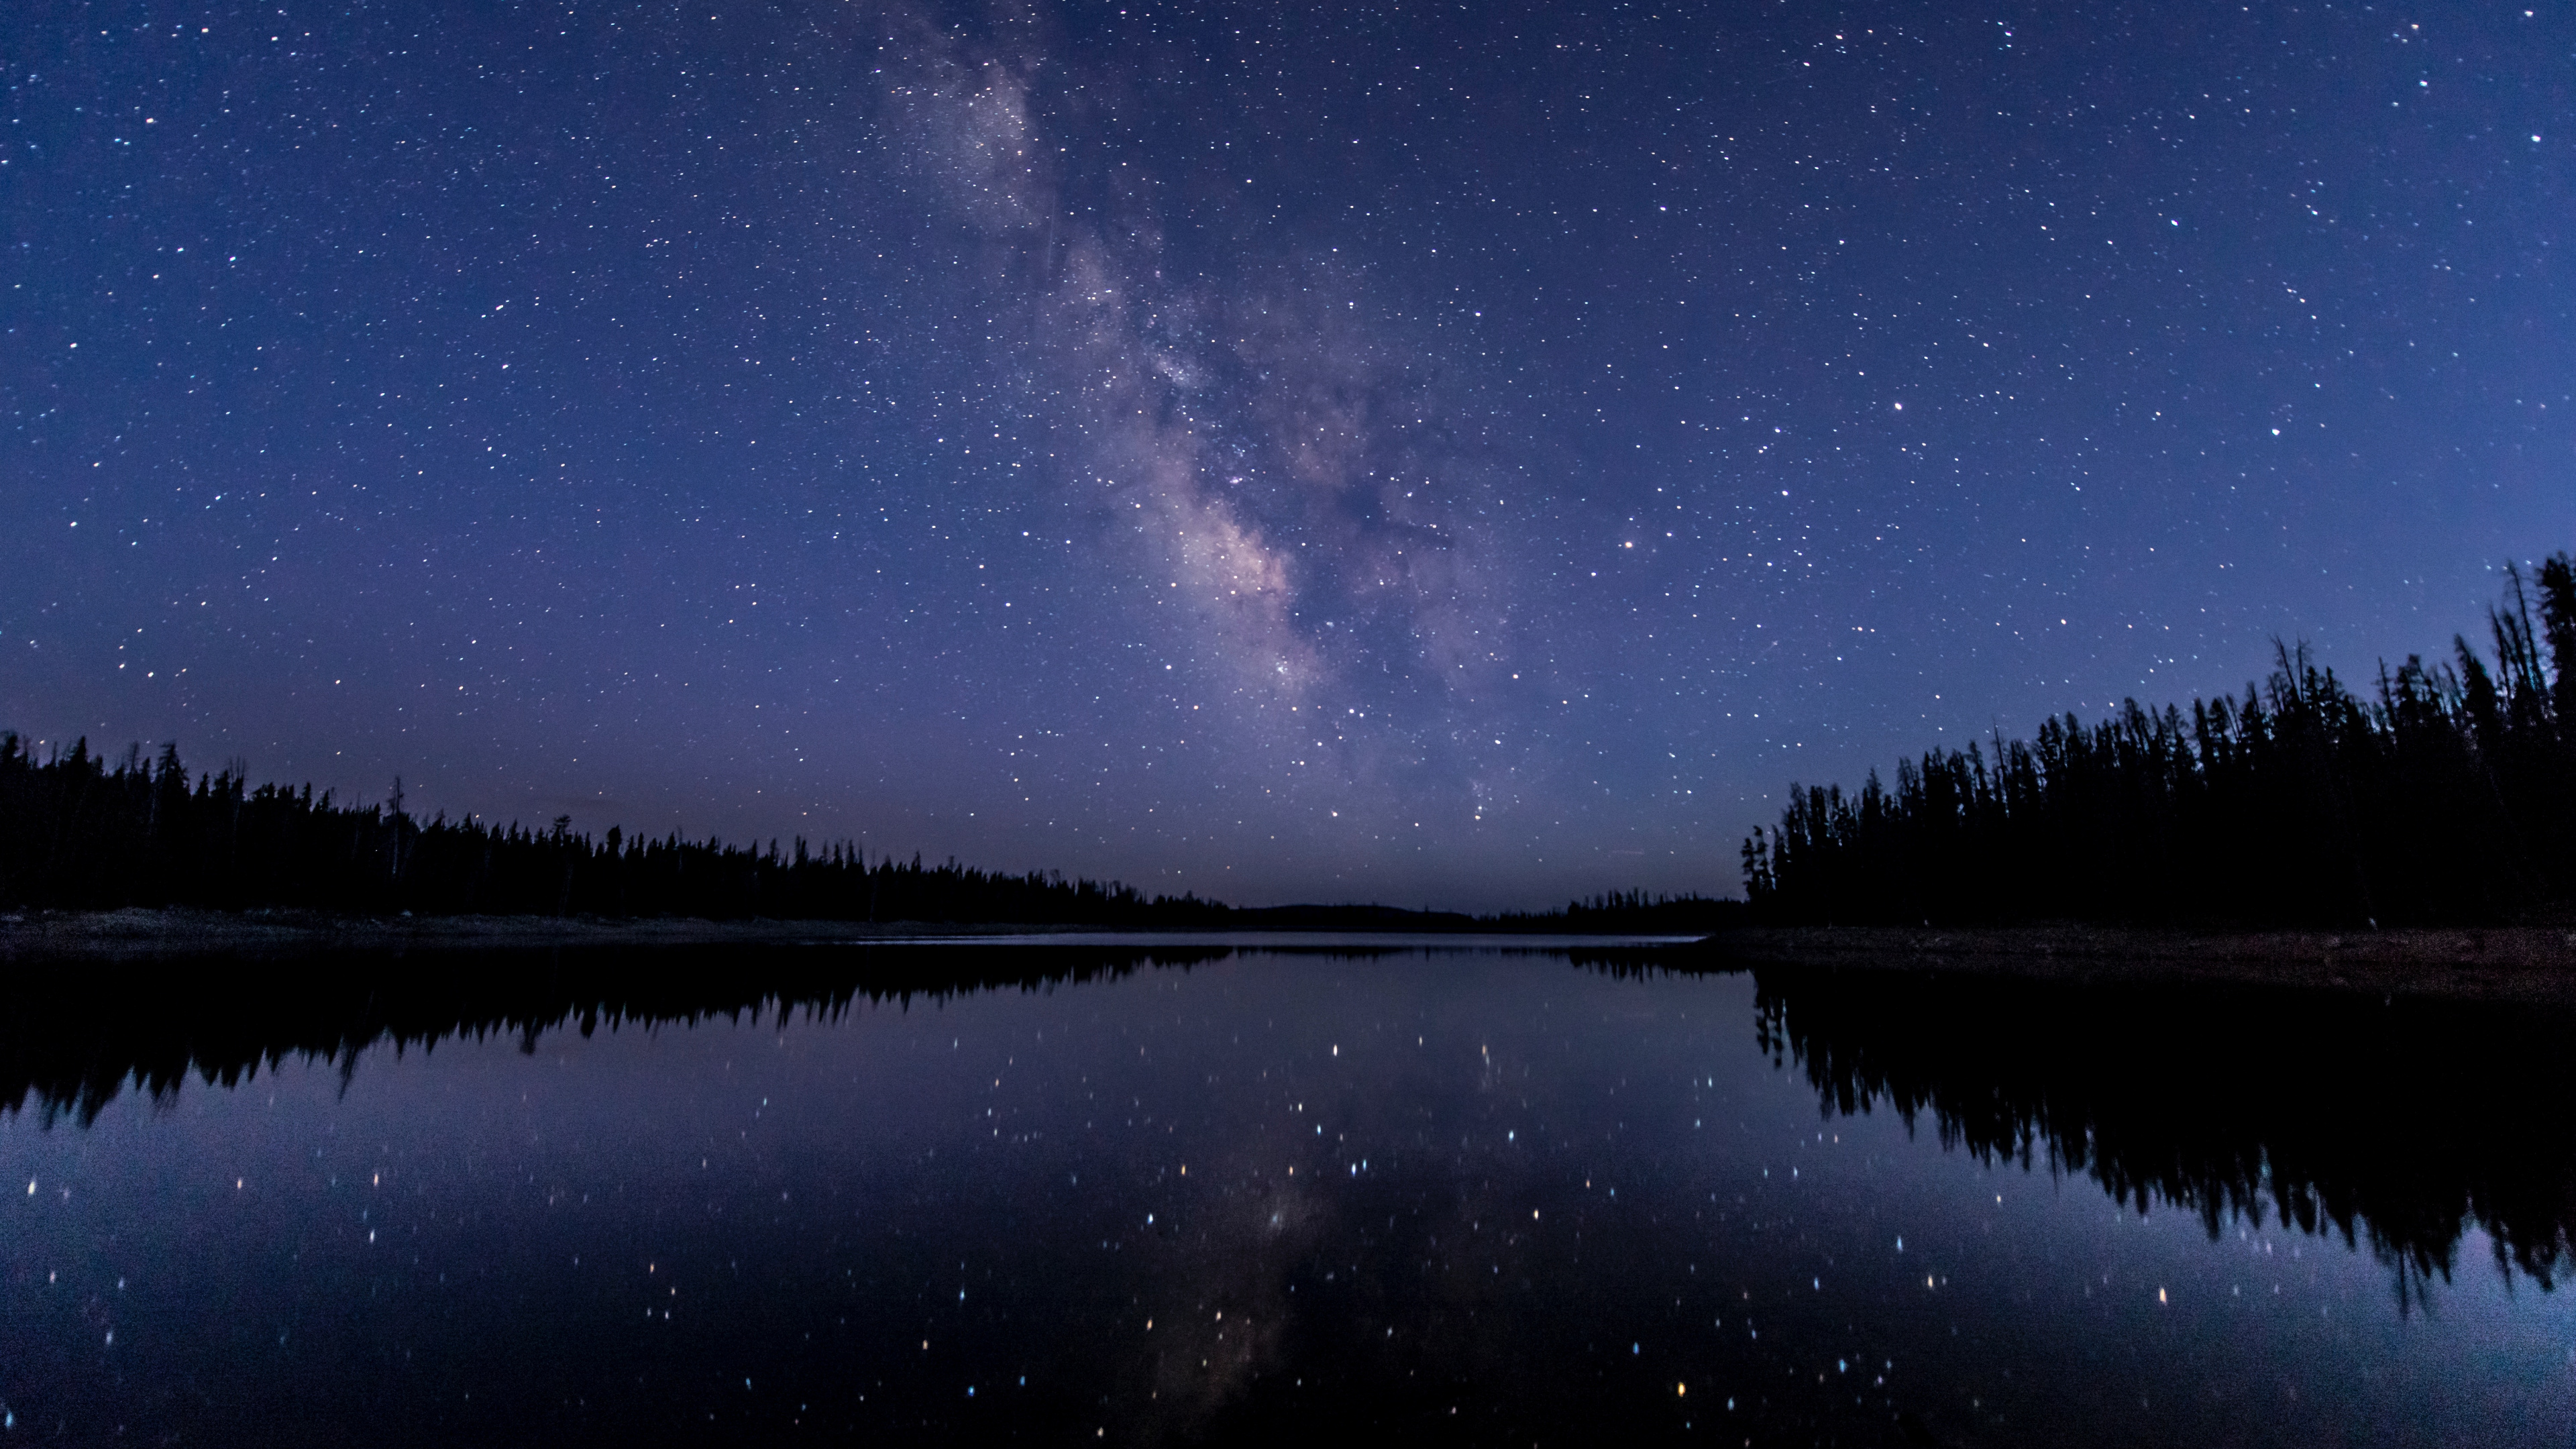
(1168,1191)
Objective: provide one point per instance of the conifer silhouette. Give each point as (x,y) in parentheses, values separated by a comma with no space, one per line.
(2450,797)
(77,833)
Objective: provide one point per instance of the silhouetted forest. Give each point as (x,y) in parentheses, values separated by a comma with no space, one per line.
(2447,796)
(2394,1127)
(80,832)
(1628,911)
(77,833)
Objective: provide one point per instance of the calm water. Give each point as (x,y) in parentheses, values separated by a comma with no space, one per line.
(1097,1194)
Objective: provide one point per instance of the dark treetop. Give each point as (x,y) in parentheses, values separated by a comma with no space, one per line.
(2446,796)
(79,834)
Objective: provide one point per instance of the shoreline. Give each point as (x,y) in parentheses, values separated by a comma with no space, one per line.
(94,935)
(136,933)
(2529,964)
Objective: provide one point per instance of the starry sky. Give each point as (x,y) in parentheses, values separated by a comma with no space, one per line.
(1455,455)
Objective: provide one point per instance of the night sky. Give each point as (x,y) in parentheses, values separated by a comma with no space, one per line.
(1460,455)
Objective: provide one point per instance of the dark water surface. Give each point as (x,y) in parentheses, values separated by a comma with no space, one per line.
(1105,1194)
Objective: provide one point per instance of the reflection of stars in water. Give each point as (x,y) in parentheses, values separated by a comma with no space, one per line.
(1093,1187)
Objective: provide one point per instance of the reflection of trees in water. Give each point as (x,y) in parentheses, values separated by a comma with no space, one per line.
(2399,1124)
(73,1041)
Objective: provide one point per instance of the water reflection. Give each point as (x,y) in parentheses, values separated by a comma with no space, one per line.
(1196,1193)
(70,1042)
(2392,1124)
(2394,1127)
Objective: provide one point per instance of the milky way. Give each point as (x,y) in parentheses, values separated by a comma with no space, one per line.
(1459,456)
(1282,465)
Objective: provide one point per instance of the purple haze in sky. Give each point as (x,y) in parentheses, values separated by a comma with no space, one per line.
(1458,456)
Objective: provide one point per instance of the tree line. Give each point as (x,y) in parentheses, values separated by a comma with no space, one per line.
(1690,914)
(83,832)
(79,832)
(2446,795)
